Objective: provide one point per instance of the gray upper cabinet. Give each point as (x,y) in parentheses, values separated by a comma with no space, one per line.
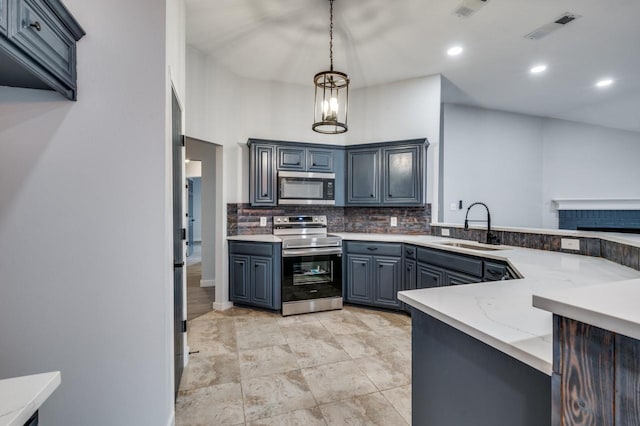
(402,176)
(320,160)
(262,190)
(387,174)
(38,45)
(363,177)
(294,159)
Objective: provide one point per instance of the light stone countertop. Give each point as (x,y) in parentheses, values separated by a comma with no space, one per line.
(610,306)
(264,238)
(20,397)
(501,313)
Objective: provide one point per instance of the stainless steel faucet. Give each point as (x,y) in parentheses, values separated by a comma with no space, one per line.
(491,239)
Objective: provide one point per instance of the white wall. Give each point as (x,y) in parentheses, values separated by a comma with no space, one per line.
(584,161)
(83,248)
(494,157)
(226,109)
(406,109)
(518,164)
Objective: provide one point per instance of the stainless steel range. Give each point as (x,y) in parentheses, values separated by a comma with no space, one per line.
(311,264)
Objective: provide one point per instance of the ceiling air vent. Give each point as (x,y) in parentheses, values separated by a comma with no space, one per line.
(547,29)
(469,7)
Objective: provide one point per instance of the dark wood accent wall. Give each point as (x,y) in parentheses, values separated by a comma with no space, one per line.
(596,376)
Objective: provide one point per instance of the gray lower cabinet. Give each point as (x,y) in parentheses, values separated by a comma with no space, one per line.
(376,272)
(255,274)
(359,281)
(38,45)
(373,274)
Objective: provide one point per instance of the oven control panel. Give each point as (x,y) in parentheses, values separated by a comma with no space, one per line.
(301,221)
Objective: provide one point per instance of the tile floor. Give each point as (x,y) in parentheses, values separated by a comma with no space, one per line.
(348,367)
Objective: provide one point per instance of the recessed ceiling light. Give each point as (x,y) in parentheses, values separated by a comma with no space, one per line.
(538,69)
(604,82)
(455,51)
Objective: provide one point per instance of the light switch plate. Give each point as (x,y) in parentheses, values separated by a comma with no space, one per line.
(445,232)
(570,244)
(394,221)
(263,221)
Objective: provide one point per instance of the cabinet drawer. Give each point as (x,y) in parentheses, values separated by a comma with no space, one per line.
(467,265)
(375,249)
(410,252)
(255,249)
(37,31)
(494,271)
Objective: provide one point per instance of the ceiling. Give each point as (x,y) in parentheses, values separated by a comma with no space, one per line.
(380,41)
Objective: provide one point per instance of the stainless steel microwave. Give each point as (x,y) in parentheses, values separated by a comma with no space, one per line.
(303,188)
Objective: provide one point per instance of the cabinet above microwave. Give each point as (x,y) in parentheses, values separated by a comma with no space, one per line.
(385,174)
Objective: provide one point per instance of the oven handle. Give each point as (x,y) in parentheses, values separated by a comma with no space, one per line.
(310,252)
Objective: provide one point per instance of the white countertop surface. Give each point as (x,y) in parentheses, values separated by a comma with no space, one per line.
(611,306)
(501,313)
(20,397)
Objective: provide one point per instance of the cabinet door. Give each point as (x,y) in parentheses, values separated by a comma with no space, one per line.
(319,160)
(3,17)
(455,278)
(429,276)
(292,159)
(264,176)
(239,278)
(402,175)
(359,280)
(363,177)
(261,281)
(388,276)
(409,278)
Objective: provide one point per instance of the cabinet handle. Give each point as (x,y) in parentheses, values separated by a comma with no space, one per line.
(390,196)
(264,195)
(372,248)
(36,25)
(364,264)
(409,269)
(313,164)
(380,266)
(371,195)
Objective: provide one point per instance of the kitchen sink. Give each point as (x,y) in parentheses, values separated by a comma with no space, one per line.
(482,247)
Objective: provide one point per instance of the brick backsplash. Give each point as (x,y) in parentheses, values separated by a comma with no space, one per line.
(243,219)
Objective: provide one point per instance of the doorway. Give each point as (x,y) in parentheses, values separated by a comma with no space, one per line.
(179,324)
(201,201)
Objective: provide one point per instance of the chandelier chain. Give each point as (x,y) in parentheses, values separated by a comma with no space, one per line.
(331,33)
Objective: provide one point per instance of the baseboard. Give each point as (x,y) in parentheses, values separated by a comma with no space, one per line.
(172,418)
(207,283)
(222,306)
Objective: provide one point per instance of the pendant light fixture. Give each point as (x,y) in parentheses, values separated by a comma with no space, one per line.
(332,94)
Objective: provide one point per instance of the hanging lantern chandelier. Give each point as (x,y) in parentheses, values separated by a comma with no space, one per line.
(332,94)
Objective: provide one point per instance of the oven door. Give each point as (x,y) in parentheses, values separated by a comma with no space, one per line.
(313,273)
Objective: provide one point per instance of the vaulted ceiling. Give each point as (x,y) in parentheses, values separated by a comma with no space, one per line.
(380,41)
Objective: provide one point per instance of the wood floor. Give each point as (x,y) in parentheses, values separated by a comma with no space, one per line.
(199,299)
